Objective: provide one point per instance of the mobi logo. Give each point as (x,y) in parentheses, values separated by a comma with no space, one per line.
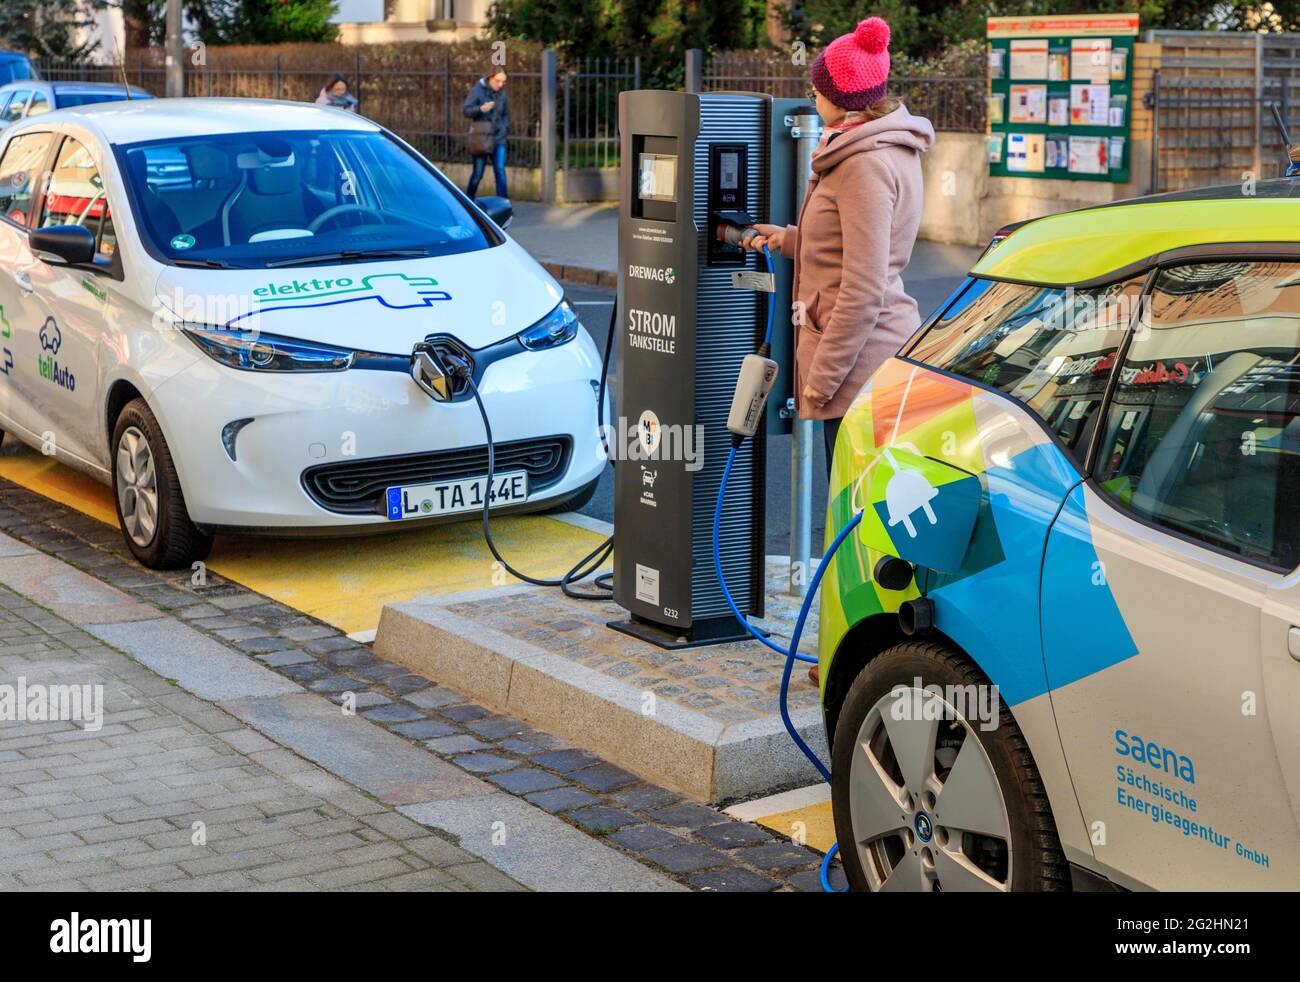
(659,274)
(73,936)
(397,291)
(650,330)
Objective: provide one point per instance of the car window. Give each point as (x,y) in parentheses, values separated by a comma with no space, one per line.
(39,104)
(1052,349)
(76,196)
(1203,434)
(20,169)
(14,111)
(261,199)
(88,97)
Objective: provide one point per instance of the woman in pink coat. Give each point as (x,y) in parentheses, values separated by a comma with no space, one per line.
(856,228)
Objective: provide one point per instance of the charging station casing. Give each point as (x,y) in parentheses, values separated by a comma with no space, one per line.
(684,332)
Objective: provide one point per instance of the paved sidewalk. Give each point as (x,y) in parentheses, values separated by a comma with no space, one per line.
(548,814)
(170,793)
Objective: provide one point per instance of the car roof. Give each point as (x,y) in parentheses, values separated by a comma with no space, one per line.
(1109,241)
(140,120)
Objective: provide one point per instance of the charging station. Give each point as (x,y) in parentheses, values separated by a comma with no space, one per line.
(690,161)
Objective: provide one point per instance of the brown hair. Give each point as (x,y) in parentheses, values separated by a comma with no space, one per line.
(883,106)
(494,70)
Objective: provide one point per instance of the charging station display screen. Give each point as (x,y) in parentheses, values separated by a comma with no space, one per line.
(729,170)
(657,177)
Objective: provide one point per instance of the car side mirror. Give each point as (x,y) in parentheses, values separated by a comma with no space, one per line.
(500,210)
(64,245)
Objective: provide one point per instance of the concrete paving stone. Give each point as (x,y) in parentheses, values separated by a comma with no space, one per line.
(497,727)
(686,815)
(348,656)
(366,873)
(482,877)
(734,880)
(687,858)
(339,642)
(369,852)
(437,850)
(463,714)
(561,799)
(483,763)
(230,881)
(362,700)
(566,761)
(423,729)
(242,632)
(730,835)
(289,656)
(336,683)
(393,713)
(810,881)
(307,632)
(526,780)
(236,601)
(246,741)
(395,825)
(776,855)
(200,664)
(302,867)
(356,750)
(264,645)
(460,744)
(406,683)
(601,818)
(422,881)
(530,743)
(298,846)
(432,698)
(305,673)
(56,872)
(78,596)
(378,672)
(643,838)
(603,777)
(538,850)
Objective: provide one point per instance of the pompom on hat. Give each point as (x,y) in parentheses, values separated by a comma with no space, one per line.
(853,70)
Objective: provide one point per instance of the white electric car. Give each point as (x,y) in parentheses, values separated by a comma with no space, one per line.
(249,316)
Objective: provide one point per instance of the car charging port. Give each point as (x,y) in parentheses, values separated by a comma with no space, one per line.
(892,573)
(916,617)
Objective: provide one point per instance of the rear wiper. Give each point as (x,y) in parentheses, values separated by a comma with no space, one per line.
(205,263)
(349,256)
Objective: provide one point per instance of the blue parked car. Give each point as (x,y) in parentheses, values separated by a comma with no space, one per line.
(16,67)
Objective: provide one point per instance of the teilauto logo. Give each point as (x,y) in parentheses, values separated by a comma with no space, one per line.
(660,274)
(51,339)
(396,291)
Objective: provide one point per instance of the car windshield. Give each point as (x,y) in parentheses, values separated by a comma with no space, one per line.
(255,200)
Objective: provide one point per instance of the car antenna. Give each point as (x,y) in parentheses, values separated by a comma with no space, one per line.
(122,66)
(1290,152)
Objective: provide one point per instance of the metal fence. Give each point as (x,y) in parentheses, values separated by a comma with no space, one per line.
(589,121)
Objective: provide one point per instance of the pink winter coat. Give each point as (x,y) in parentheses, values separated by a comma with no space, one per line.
(855,235)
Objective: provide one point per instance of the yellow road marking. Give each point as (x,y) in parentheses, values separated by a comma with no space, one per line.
(818,824)
(346,581)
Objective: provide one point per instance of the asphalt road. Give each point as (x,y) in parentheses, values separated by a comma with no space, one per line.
(935,272)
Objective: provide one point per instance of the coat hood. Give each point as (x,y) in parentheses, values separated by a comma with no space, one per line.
(897,129)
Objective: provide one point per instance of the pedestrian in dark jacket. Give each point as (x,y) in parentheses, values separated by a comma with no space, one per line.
(487,102)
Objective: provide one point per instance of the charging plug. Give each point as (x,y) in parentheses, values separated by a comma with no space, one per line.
(757,376)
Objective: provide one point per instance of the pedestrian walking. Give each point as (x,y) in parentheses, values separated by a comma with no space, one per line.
(488,113)
(336,94)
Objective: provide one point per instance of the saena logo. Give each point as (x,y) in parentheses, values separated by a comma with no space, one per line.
(51,339)
(394,290)
(73,936)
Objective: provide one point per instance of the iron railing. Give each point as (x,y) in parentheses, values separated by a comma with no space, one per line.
(588,122)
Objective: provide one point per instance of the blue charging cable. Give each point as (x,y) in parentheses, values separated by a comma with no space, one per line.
(792,653)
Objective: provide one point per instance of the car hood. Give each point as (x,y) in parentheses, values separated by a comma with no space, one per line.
(387,306)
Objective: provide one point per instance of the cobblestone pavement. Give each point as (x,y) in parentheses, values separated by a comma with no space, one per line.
(692,843)
(171,793)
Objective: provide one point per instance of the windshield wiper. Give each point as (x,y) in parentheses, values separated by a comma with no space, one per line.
(206,263)
(349,256)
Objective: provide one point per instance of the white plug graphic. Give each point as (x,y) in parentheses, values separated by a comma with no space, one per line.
(906,492)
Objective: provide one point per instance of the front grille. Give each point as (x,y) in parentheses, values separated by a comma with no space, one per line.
(356,487)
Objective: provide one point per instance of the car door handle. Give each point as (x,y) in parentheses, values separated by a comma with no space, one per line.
(1293,642)
(24,282)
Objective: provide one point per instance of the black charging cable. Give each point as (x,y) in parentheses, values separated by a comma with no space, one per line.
(594,559)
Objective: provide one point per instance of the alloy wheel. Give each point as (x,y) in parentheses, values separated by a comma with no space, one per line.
(137,486)
(925,803)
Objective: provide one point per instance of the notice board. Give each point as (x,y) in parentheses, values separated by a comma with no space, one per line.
(1060,96)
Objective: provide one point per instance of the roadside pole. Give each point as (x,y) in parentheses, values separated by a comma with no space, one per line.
(806,131)
(175,51)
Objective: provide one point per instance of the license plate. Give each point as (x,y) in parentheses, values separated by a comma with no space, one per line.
(450,497)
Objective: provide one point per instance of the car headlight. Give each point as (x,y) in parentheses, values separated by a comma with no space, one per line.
(251,351)
(556,328)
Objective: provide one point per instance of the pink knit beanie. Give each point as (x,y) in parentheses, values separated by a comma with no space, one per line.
(853,70)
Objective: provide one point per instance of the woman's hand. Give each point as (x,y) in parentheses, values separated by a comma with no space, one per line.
(770,235)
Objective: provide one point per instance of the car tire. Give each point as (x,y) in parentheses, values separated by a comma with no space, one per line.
(1014,847)
(151,507)
(573,502)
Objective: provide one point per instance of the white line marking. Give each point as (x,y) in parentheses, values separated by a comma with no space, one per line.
(752,811)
